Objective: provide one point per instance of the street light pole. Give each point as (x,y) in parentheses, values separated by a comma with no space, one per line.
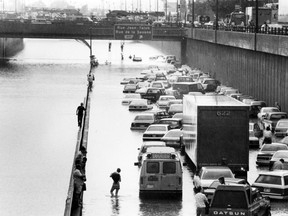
(216,24)
(157,10)
(177,12)
(193,12)
(90,42)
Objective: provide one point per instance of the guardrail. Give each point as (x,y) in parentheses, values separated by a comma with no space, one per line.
(81,141)
(249,29)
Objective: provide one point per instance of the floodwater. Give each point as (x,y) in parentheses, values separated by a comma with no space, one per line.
(39,92)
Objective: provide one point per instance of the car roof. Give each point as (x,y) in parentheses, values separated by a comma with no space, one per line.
(176,119)
(163,149)
(154,143)
(215,167)
(275,173)
(283,120)
(147,114)
(155,125)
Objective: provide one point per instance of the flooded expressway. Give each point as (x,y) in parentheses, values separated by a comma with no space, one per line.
(39,93)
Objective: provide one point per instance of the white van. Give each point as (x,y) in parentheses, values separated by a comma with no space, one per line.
(161,173)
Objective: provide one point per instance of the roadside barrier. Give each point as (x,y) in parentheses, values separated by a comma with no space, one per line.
(82,140)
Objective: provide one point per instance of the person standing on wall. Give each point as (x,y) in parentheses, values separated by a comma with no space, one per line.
(79,112)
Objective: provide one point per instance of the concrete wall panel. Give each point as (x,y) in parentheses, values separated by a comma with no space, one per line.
(259,74)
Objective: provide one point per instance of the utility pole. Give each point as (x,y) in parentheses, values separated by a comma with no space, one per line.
(193,13)
(157,10)
(166,10)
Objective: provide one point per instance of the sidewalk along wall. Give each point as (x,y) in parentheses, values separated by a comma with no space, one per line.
(259,74)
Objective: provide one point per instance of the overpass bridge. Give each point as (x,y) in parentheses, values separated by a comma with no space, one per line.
(255,63)
(87,30)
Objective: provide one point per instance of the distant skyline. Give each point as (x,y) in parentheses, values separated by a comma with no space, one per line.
(145,5)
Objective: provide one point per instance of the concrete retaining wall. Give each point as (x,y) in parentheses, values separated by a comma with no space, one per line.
(268,43)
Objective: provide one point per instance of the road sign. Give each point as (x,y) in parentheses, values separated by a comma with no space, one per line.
(133,32)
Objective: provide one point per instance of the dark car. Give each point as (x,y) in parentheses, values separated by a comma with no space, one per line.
(130,88)
(152,94)
(228,181)
(159,113)
(186,87)
(175,123)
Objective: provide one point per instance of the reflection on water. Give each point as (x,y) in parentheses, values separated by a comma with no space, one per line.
(115,206)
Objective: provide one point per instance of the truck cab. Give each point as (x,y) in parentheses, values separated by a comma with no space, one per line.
(238,200)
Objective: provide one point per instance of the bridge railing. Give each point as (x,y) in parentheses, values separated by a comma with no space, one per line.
(249,29)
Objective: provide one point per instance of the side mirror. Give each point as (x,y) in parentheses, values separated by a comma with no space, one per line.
(136,164)
(184,164)
(138,148)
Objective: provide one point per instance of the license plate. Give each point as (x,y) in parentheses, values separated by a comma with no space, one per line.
(149,186)
(267,190)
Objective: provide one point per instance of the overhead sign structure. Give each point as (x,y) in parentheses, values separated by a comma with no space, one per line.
(133,32)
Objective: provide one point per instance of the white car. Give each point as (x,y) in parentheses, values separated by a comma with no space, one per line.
(280,154)
(129,97)
(163,101)
(146,145)
(155,132)
(173,138)
(265,110)
(210,173)
(142,121)
(139,105)
(157,84)
(273,184)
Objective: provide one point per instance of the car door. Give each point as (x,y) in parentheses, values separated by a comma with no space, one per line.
(152,177)
(170,179)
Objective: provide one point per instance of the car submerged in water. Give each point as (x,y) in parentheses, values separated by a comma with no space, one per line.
(139,105)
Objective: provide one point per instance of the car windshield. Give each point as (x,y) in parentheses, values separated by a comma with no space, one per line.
(271,147)
(130,86)
(157,128)
(281,154)
(178,107)
(185,79)
(229,199)
(157,85)
(167,98)
(215,174)
(174,134)
(283,124)
(211,82)
(144,117)
(278,116)
(161,78)
(138,103)
(269,179)
(153,91)
(265,110)
(170,122)
(284,140)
